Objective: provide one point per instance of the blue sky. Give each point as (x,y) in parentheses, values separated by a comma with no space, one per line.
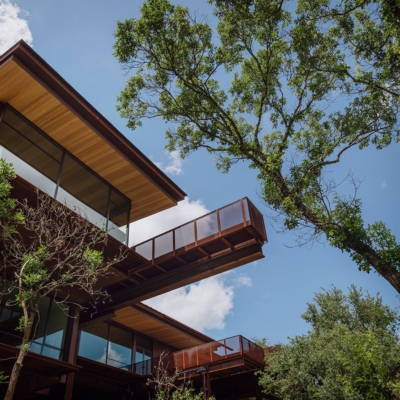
(262,299)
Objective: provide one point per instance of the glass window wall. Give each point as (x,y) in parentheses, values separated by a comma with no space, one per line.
(45,164)
(112,345)
(49,330)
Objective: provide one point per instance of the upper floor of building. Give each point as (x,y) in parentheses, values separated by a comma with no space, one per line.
(61,144)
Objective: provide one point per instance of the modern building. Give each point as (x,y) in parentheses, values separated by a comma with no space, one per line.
(59,144)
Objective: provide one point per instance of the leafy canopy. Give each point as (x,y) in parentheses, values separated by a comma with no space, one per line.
(306,87)
(351,352)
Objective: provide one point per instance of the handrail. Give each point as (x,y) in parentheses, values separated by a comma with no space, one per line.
(204,354)
(239,214)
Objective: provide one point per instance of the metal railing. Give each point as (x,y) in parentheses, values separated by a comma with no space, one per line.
(204,354)
(234,216)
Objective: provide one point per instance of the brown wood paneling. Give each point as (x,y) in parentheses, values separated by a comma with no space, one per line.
(44,109)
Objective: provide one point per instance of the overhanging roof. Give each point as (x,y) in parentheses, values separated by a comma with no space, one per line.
(159,326)
(38,92)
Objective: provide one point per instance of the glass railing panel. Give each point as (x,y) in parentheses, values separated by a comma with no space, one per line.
(73,203)
(217,350)
(232,346)
(118,232)
(163,244)
(231,215)
(245,346)
(145,249)
(184,235)
(29,173)
(246,209)
(207,226)
(141,368)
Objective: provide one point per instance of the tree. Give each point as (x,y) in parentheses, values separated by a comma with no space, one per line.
(326,77)
(352,351)
(165,381)
(47,251)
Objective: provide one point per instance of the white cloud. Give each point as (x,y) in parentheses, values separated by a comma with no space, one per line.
(12,27)
(175,164)
(243,280)
(384,185)
(149,227)
(203,305)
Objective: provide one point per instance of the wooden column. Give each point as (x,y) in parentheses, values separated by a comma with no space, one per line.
(71,349)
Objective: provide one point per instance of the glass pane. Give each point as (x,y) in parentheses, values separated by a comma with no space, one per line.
(79,183)
(41,318)
(119,347)
(232,346)
(32,134)
(231,215)
(117,225)
(163,244)
(52,353)
(218,350)
(35,347)
(93,347)
(28,173)
(207,226)
(9,321)
(184,235)
(145,249)
(121,201)
(56,326)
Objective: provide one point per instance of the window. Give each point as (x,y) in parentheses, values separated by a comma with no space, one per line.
(50,328)
(51,168)
(112,345)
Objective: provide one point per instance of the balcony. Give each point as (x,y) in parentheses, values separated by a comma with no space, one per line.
(219,232)
(235,353)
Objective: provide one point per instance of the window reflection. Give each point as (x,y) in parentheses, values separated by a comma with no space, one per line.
(45,164)
(49,334)
(112,345)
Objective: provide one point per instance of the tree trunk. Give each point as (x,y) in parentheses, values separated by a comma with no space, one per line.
(12,384)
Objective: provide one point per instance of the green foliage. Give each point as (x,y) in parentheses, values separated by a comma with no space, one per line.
(3,378)
(185,393)
(8,209)
(307,86)
(352,351)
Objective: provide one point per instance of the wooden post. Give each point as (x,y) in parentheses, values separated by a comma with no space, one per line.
(71,349)
(208,384)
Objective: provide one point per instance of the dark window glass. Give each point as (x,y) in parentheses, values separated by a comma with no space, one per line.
(119,348)
(42,319)
(56,326)
(80,183)
(93,346)
(49,331)
(32,134)
(9,321)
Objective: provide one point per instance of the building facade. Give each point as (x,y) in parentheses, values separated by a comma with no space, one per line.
(59,144)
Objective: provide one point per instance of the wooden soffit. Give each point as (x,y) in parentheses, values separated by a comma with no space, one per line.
(38,92)
(150,322)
